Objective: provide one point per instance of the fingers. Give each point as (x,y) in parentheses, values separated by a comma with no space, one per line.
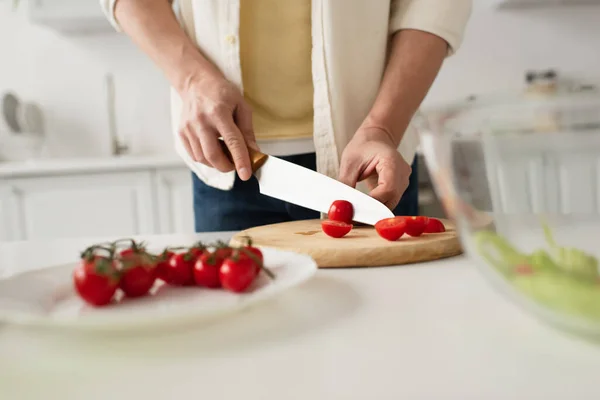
(391,183)
(350,170)
(236,144)
(243,119)
(192,144)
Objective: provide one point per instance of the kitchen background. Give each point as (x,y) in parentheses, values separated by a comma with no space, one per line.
(64,57)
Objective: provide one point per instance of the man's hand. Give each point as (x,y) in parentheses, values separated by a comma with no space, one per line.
(214,107)
(372,155)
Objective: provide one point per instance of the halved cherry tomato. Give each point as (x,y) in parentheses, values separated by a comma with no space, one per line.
(206,269)
(434,226)
(391,229)
(181,269)
(96,278)
(162,265)
(237,273)
(415,226)
(342,211)
(138,271)
(335,229)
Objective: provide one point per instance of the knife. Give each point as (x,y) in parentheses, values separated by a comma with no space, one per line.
(304,187)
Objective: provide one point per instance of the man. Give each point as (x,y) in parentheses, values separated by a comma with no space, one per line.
(328,84)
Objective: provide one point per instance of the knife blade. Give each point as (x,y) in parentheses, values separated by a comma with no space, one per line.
(304,187)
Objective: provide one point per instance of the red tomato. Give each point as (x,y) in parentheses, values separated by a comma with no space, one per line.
(181,269)
(162,265)
(138,272)
(415,226)
(206,270)
(342,211)
(96,279)
(197,249)
(335,229)
(237,273)
(524,269)
(391,229)
(223,252)
(434,226)
(255,254)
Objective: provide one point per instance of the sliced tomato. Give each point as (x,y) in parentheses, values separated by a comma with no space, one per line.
(335,229)
(434,226)
(524,269)
(342,211)
(96,278)
(415,226)
(391,229)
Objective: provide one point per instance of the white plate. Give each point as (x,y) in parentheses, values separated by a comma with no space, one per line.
(46,297)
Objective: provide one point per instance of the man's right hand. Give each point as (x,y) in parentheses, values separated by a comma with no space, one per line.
(213,107)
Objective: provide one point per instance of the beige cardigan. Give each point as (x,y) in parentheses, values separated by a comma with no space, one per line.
(350,39)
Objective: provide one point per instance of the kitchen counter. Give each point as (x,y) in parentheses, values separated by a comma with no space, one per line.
(426,331)
(63,166)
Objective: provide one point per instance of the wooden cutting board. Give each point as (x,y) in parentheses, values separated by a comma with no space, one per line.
(362,247)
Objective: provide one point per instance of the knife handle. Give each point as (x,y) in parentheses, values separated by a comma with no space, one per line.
(257,159)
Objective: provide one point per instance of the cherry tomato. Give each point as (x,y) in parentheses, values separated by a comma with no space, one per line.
(237,273)
(415,226)
(138,271)
(197,249)
(335,229)
(391,229)
(434,226)
(181,269)
(255,254)
(162,265)
(96,278)
(206,269)
(342,211)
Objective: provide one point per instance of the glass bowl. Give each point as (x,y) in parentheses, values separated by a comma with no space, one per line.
(521,178)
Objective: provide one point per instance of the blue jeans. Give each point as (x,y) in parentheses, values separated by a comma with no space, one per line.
(243,206)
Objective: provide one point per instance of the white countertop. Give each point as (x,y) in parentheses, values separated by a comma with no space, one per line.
(61,166)
(425,331)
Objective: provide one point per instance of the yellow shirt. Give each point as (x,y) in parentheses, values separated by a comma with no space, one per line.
(275,52)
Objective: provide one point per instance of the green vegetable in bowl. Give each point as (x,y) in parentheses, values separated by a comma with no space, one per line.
(571,260)
(501,254)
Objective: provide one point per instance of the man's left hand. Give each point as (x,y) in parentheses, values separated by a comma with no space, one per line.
(372,155)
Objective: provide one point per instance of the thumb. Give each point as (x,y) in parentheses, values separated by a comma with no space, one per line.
(243,119)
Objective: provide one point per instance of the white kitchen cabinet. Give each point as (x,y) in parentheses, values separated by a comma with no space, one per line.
(69,16)
(8,212)
(520,4)
(81,205)
(174,200)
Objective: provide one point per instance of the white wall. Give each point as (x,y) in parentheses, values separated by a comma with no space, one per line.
(500,45)
(65,74)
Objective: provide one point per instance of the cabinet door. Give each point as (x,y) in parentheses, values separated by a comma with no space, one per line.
(69,15)
(8,215)
(175,202)
(83,205)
